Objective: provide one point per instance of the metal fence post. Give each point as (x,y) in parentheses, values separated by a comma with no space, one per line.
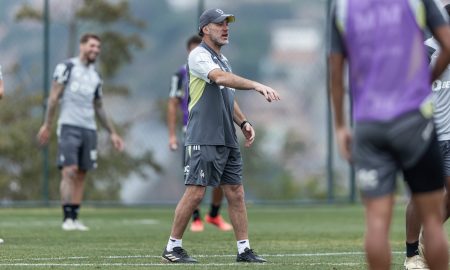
(45,165)
(329,122)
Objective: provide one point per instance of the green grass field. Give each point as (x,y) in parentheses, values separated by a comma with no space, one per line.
(303,237)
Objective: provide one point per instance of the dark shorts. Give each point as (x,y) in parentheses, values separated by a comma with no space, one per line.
(408,144)
(445,150)
(210,165)
(77,146)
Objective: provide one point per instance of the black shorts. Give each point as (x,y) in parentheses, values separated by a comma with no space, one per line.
(211,165)
(408,144)
(77,146)
(445,150)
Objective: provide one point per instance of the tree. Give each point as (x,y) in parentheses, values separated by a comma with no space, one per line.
(111,19)
(264,176)
(107,18)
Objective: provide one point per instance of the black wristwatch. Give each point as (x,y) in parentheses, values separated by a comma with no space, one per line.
(245,122)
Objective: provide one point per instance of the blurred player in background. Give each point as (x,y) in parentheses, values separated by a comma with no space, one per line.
(179,97)
(77,86)
(213,155)
(441,99)
(390,84)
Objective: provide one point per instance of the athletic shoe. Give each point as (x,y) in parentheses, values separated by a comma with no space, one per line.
(80,226)
(219,222)
(178,255)
(249,256)
(68,225)
(197,226)
(415,263)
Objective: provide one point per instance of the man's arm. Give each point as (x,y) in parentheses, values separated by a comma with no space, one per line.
(437,22)
(336,62)
(102,117)
(173,103)
(2,89)
(229,79)
(442,35)
(337,89)
(172,121)
(247,129)
(52,104)
(107,124)
(337,57)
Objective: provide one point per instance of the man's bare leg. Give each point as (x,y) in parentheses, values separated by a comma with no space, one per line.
(191,199)
(237,210)
(78,190)
(378,219)
(429,207)
(67,185)
(217,196)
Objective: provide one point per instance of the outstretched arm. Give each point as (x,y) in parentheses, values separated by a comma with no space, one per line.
(229,79)
(52,104)
(246,128)
(107,124)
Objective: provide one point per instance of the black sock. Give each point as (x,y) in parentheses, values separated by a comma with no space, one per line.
(196,214)
(67,211)
(214,212)
(75,210)
(412,249)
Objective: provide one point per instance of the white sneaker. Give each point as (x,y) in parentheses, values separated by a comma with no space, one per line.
(68,225)
(80,226)
(415,263)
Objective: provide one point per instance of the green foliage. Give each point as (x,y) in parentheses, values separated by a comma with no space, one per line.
(27,12)
(116,49)
(21,159)
(20,156)
(117,45)
(104,12)
(104,183)
(293,145)
(264,176)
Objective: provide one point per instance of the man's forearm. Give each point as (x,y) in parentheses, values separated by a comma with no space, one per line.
(103,118)
(238,115)
(232,80)
(2,89)
(337,89)
(442,34)
(337,94)
(50,112)
(172,116)
(52,103)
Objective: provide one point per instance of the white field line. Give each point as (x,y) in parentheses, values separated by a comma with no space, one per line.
(356,253)
(167,264)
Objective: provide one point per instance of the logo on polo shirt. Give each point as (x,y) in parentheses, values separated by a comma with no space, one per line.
(440,85)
